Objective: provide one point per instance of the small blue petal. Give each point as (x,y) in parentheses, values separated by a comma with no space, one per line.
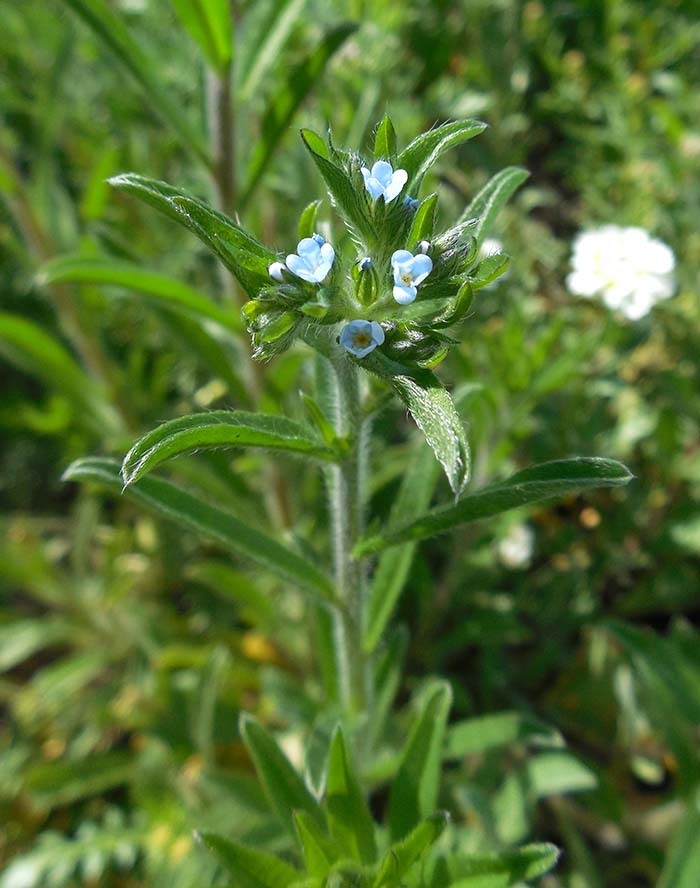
(401,256)
(394,188)
(383,171)
(374,186)
(421,266)
(404,294)
(308,247)
(377,333)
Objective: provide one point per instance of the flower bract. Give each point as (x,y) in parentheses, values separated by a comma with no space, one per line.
(630,270)
(409,272)
(361,337)
(312,261)
(384,180)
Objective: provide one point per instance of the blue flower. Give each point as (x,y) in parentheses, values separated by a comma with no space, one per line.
(411,202)
(275,271)
(409,272)
(361,337)
(365,264)
(384,180)
(312,261)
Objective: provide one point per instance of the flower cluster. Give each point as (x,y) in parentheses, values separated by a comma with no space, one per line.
(404,288)
(626,267)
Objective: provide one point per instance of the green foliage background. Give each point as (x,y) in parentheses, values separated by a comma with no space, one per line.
(128,647)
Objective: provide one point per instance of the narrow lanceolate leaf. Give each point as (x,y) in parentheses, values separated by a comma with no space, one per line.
(240,252)
(319,851)
(349,819)
(431,406)
(401,857)
(163,290)
(423,223)
(418,157)
(393,568)
(682,863)
(208,521)
(490,200)
(249,866)
(110,29)
(209,23)
(220,428)
(29,347)
(559,478)
(307,220)
(385,140)
(504,869)
(293,88)
(414,791)
(343,191)
(269,27)
(283,786)
(486,732)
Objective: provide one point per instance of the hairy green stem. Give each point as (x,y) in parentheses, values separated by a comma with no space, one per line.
(346,517)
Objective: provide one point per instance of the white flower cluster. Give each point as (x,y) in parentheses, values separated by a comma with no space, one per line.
(630,270)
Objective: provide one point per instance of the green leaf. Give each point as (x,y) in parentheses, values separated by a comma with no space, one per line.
(283,786)
(559,478)
(318,849)
(307,220)
(291,90)
(431,406)
(210,522)
(27,346)
(349,200)
(489,270)
(266,38)
(110,29)
(248,866)
(418,157)
(393,568)
(423,223)
(486,732)
(21,639)
(246,258)
(62,782)
(414,791)
(164,290)
(209,23)
(216,429)
(504,869)
(400,857)
(682,863)
(490,200)
(385,140)
(349,819)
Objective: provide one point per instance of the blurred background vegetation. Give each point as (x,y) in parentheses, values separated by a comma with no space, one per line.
(127,647)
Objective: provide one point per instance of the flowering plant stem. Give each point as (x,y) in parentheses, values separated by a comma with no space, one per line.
(345,506)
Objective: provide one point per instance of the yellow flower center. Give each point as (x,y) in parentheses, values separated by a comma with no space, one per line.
(362,340)
(406,278)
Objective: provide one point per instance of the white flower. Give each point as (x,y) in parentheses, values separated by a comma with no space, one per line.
(630,270)
(384,180)
(312,260)
(515,549)
(409,271)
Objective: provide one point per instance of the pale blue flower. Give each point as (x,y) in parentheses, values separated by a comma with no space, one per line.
(361,337)
(312,261)
(384,180)
(409,272)
(275,271)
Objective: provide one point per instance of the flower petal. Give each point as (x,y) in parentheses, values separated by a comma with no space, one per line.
(404,295)
(394,188)
(374,186)
(421,266)
(327,254)
(377,333)
(400,256)
(383,172)
(308,248)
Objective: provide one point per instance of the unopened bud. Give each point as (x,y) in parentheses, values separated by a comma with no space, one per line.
(411,203)
(424,246)
(275,271)
(319,238)
(365,264)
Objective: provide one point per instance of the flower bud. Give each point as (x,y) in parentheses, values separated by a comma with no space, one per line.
(276,271)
